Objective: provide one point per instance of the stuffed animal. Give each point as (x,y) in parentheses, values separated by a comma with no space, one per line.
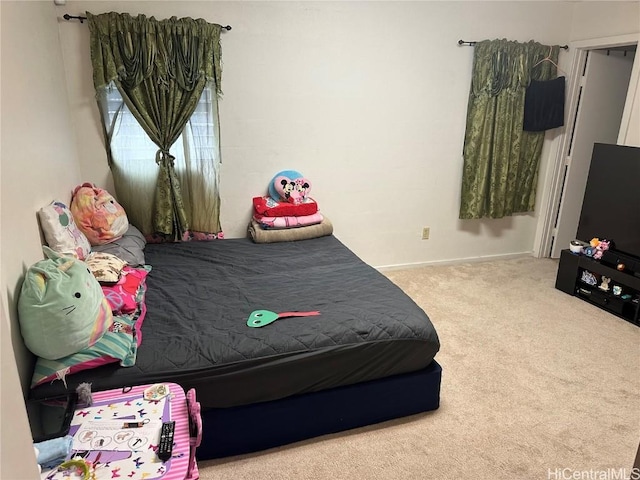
(603,246)
(592,249)
(289,186)
(61,308)
(97,214)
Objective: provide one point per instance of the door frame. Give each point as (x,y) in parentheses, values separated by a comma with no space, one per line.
(554,179)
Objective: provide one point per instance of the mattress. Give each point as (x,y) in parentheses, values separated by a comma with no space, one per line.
(200,295)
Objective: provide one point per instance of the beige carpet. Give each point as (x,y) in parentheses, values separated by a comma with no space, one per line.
(536,384)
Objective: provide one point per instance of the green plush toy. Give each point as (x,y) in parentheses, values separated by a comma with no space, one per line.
(61,308)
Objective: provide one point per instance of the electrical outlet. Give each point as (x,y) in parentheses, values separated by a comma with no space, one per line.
(425,233)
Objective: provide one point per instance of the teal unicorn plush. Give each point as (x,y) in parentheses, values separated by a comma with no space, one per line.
(61,308)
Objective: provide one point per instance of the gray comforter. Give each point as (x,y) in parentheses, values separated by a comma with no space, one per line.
(200,295)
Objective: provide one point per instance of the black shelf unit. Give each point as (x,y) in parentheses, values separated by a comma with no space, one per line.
(569,280)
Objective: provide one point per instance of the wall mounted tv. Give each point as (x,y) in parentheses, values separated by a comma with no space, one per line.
(611,205)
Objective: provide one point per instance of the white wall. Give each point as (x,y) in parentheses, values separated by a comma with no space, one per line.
(598,19)
(604,19)
(367,99)
(17,460)
(632,135)
(39,163)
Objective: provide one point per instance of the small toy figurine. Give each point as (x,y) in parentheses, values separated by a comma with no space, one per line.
(597,248)
(602,246)
(589,278)
(605,283)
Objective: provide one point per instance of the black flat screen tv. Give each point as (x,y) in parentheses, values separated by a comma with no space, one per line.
(611,205)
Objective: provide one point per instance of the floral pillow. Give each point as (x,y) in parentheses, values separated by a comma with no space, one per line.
(97,214)
(61,232)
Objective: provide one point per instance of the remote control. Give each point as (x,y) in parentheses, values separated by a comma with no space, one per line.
(165,445)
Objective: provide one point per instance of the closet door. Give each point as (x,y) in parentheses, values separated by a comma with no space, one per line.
(603,94)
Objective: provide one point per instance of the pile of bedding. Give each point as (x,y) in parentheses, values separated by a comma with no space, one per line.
(93,282)
(287,213)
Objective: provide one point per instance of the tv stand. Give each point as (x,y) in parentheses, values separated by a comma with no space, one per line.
(571,279)
(612,258)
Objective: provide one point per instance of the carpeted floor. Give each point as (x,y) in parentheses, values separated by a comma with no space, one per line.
(536,385)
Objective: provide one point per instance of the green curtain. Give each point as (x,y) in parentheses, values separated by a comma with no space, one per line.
(500,159)
(160,68)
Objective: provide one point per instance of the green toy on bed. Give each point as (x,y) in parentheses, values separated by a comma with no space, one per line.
(62,308)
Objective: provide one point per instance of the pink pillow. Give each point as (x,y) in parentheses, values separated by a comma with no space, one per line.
(97,214)
(292,190)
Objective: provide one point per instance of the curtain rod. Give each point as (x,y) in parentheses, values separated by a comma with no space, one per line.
(66,16)
(471,44)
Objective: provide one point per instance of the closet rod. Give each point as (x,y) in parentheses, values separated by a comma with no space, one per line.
(471,44)
(66,16)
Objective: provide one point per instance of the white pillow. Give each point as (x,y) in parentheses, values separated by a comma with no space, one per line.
(61,232)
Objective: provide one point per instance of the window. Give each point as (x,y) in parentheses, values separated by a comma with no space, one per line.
(196,163)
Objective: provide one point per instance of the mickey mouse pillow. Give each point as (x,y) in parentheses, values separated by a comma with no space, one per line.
(289,186)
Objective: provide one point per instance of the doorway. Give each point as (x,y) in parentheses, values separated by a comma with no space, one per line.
(604,79)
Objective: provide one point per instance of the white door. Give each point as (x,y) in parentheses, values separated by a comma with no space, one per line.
(603,93)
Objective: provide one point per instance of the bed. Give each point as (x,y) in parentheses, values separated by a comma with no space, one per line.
(368,357)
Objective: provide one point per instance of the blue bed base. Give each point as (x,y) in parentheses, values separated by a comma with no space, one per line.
(250,428)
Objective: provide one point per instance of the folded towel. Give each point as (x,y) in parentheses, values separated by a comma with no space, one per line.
(288,221)
(269,207)
(52,453)
(259,235)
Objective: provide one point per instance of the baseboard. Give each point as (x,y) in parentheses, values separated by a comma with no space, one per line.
(454,261)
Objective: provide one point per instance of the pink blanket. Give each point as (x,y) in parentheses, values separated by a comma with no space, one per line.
(288,222)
